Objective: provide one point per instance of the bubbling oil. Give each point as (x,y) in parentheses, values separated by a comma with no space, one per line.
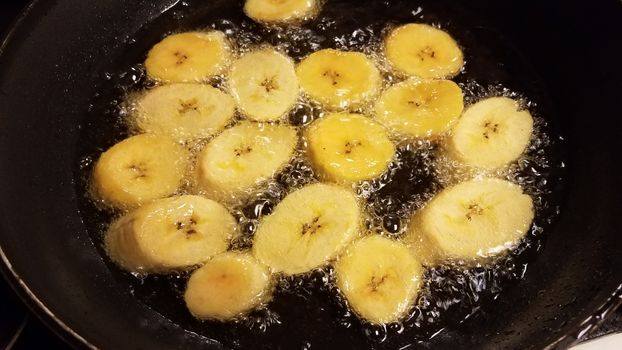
(309,311)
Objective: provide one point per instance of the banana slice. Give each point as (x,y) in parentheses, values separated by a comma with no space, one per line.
(380,278)
(491,133)
(170,234)
(184,111)
(227,286)
(423,51)
(242,157)
(140,169)
(188,57)
(477,218)
(420,108)
(339,79)
(272,11)
(307,228)
(264,84)
(348,148)
(422,247)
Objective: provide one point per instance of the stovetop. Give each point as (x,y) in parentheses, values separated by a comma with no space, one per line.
(19,328)
(22,330)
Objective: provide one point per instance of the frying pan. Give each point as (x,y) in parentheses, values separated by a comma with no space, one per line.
(52,66)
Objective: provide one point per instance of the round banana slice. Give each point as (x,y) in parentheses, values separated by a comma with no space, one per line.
(227,286)
(423,51)
(339,79)
(491,133)
(170,234)
(243,157)
(420,108)
(274,11)
(380,278)
(140,169)
(348,148)
(421,246)
(307,229)
(188,57)
(477,218)
(184,111)
(264,84)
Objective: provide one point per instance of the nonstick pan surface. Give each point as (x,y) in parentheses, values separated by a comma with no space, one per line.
(53,65)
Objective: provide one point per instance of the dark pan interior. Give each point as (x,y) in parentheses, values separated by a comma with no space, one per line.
(52,66)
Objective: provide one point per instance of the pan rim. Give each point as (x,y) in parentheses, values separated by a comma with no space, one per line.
(35,305)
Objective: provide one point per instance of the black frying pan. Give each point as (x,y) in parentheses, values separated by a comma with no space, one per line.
(566,54)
